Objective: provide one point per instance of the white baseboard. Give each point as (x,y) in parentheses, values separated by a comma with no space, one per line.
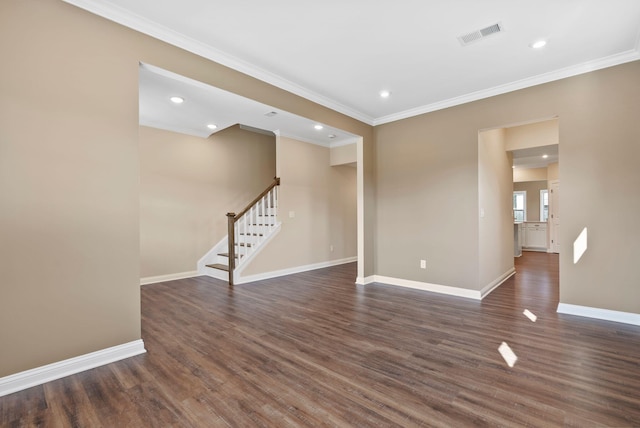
(169,277)
(535,249)
(602,314)
(39,375)
(290,271)
(438,288)
(366,280)
(484,292)
(435,288)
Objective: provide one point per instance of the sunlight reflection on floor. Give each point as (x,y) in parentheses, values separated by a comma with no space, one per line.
(509,356)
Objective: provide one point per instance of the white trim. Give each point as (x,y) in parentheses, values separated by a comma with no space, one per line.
(292,270)
(138,23)
(360,205)
(220,274)
(237,273)
(535,249)
(484,292)
(39,375)
(168,277)
(212,255)
(586,67)
(601,314)
(365,281)
(434,288)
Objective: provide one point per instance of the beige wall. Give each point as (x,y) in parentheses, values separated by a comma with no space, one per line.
(69,187)
(533,197)
(69,224)
(495,190)
(69,180)
(427,199)
(426,169)
(188,184)
(529,174)
(536,134)
(553,171)
(323,200)
(344,155)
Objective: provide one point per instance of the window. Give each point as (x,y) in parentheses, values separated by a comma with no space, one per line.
(520,206)
(544,205)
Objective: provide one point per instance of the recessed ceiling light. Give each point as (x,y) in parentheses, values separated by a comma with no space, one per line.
(177,100)
(212,126)
(318,127)
(545,156)
(539,44)
(332,136)
(385,94)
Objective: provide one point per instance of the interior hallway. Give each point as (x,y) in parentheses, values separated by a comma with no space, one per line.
(312,349)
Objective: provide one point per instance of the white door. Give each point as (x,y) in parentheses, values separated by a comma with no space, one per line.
(554,216)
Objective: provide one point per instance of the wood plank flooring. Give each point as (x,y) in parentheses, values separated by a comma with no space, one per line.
(313,349)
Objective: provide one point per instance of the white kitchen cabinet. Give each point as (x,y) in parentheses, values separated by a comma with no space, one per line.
(535,235)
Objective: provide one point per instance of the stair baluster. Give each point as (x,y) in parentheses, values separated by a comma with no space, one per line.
(256,222)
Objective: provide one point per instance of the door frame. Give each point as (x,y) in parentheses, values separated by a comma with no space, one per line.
(554,216)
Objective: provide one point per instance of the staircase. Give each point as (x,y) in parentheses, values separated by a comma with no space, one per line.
(248,232)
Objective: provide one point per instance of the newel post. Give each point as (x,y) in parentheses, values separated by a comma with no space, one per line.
(231,220)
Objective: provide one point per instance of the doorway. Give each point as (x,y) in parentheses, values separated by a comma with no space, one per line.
(531,151)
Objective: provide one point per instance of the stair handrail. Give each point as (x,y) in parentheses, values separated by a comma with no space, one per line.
(232,218)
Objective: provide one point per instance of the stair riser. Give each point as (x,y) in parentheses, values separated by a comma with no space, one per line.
(216,273)
(259,220)
(256,229)
(270,212)
(249,239)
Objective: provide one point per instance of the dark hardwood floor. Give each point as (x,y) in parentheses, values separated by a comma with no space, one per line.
(313,349)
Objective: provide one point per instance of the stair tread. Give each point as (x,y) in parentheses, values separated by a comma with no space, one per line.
(251,234)
(227,255)
(219,266)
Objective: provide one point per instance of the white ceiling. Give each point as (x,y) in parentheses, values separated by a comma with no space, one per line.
(533,157)
(204,105)
(342,53)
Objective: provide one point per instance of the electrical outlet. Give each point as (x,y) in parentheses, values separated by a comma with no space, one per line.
(423,264)
(292,214)
(331,248)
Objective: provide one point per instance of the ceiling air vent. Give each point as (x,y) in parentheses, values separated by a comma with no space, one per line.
(474,36)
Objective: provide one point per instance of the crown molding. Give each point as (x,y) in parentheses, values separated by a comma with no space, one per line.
(123,17)
(585,67)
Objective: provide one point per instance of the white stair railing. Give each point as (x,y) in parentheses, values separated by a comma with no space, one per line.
(248,229)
